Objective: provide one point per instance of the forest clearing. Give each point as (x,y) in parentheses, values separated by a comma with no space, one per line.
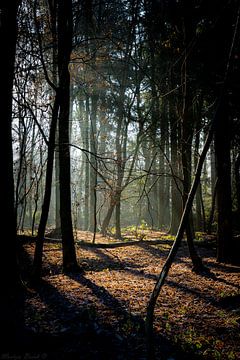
(99,313)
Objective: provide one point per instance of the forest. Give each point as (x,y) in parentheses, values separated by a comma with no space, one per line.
(120,178)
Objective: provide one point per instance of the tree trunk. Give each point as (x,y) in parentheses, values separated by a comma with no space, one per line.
(53,15)
(64,51)
(225,250)
(108,216)
(237,182)
(87,165)
(11,306)
(118,234)
(37,262)
(182,227)
(94,164)
(199,218)
(176,185)
(187,136)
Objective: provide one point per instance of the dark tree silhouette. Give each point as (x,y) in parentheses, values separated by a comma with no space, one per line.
(10,297)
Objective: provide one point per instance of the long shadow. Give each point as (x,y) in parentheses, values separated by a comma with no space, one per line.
(224,267)
(166,348)
(162,253)
(221,280)
(110,263)
(118,307)
(133,269)
(123,243)
(219,303)
(82,332)
(87,338)
(158,253)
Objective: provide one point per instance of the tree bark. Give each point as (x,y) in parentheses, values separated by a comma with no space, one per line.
(64,52)
(225,249)
(187,136)
(93,168)
(237,182)
(37,262)
(182,227)
(11,306)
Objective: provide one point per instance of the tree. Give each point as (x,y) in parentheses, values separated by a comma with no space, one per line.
(10,297)
(64,52)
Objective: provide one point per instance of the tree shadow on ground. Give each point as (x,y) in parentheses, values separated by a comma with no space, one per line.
(85,333)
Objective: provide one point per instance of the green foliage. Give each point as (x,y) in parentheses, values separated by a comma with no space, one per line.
(138,232)
(168,237)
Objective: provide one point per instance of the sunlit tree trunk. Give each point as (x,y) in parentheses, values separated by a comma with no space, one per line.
(108,215)
(121,161)
(84,126)
(93,160)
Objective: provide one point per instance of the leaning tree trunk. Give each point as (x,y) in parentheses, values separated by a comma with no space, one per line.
(64,52)
(182,227)
(37,262)
(108,216)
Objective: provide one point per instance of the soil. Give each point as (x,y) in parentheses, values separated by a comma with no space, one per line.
(99,313)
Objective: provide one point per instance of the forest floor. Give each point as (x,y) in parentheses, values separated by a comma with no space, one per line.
(99,313)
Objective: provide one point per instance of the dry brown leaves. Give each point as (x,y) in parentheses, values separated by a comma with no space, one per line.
(199,313)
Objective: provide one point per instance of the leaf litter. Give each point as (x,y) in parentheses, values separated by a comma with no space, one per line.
(100,312)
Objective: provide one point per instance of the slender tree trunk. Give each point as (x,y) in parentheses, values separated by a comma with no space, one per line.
(57,190)
(30,178)
(186,164)
(64,51)
(53,14)
(187,136)
(237,182)
(199,219)
(37,262)
(213,169)
(121,161)
(118,234)
(211,216)
(86,143)
(93,168)
(182,227)
(225,249)
(176,185)
(166,218)
(162,198)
